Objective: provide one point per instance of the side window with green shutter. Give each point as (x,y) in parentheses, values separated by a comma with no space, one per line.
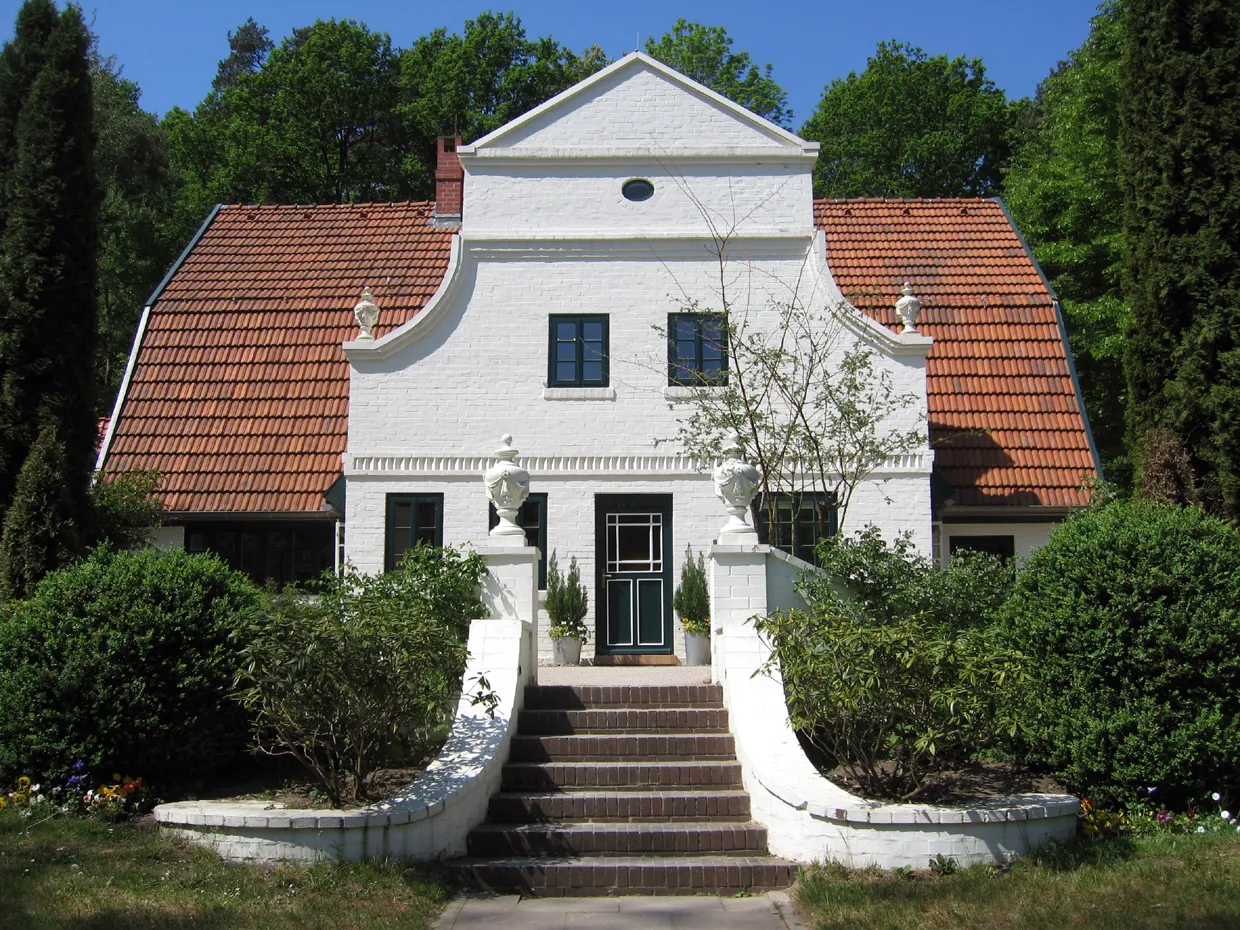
(412,519)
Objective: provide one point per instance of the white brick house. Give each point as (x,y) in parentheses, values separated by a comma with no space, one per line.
(536,301)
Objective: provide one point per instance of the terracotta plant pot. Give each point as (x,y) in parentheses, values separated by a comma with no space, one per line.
(566,651)
(697,648)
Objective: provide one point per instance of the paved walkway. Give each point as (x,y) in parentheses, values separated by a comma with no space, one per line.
(772,911)
(620,675)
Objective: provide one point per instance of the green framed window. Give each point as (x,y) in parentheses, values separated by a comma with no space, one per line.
(696,349)
(578,350)
(532,517)
(412,519)
(800,522)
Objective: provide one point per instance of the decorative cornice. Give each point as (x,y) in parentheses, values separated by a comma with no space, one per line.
(651,465)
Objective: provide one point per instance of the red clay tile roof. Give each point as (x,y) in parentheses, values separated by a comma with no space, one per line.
(240,395)
(239,398)
(1005,420)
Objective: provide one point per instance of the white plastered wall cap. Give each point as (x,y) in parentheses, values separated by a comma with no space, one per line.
(783,141)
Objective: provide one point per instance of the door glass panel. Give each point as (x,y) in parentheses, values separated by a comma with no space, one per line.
(634,542)
(650,611)
(619,612)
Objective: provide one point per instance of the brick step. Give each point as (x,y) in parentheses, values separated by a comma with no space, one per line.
(620,806)
(634,747)
(628,776)
(588,697)
(597,877)
(638,719)
(617,839)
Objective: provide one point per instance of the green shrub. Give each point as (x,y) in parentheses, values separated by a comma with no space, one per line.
(125,662)
(691,602)
(897,669)
(567,602)
(1131,617)
(125,509)
(364,674)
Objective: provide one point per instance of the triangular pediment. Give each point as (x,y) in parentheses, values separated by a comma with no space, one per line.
(639,104)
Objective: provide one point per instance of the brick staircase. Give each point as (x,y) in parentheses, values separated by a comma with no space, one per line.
(621,791)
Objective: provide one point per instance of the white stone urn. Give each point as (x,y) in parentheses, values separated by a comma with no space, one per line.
(367,315)
(736,484)
(908,309)
(508,485)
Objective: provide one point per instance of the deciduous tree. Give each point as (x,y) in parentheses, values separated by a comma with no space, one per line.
(705,54)
(1063,190)
(911,125)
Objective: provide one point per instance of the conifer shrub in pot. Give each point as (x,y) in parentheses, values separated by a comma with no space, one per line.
(691,603)
(364,674)
(567,604)
(1130,615)
(125,662)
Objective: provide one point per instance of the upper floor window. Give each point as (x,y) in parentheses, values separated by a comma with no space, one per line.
(412,519)
(578,351)
(696,349)
(800,522)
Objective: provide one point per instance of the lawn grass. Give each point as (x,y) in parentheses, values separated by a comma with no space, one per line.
(71,872)
(1162,881)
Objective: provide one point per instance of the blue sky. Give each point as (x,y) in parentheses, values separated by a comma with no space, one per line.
(170,47)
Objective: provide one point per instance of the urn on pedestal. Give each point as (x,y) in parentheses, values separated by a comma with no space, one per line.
(736,484)
(508,485)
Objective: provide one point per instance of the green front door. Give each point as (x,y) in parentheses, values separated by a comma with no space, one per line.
(634,594)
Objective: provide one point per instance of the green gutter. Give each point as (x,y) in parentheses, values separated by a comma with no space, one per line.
(176,266)
(1063,334)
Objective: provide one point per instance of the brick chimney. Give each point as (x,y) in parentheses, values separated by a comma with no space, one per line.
(449,183)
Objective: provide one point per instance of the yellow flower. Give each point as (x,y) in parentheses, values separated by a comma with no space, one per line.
(3,804)
(23,783)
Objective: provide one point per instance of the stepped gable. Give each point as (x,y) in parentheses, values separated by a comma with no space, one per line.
(1006,422)
(239,393)
(621,791)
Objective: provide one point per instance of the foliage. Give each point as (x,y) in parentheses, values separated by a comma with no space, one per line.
(812,417)
(248,48)
(567,602)
(892,701)
(139,232)
(1130,616)
(1064,193)
(1095,823)
(896,670)
(691,602)
(887,581)
(704,53)
(124,662)
(365,673)
(473,83)
(41,533)
(48,244)
(911,125)
(125,509)
(1179,134)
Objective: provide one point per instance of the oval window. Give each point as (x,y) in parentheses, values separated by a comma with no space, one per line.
(637,190)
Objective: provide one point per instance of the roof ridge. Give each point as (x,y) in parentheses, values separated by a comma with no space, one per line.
(328,206)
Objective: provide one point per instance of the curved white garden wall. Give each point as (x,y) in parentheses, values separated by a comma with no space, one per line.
(808,817)
(433,816)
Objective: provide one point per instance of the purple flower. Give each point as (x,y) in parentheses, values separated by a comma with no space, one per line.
(1163,817)
(1151,790)
(79,766)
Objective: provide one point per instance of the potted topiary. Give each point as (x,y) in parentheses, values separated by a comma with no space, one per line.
(691,602)
(567,605)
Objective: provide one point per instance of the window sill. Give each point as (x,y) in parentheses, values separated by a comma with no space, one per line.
(579,393)
(688,391)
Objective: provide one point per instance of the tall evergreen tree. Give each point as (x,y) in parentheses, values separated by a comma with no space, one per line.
(48,256)
(1180,164)
(41,528)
